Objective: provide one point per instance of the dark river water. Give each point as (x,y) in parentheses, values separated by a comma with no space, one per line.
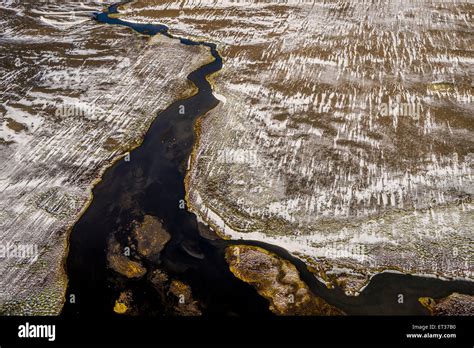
(152,183)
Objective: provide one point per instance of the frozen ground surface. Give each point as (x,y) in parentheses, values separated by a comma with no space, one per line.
(344,132)
(74,96)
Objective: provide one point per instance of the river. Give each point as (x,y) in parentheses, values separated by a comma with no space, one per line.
(152,183)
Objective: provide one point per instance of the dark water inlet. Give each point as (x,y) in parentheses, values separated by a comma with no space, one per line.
(152,183)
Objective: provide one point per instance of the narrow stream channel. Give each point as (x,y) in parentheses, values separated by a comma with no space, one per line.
(152,183)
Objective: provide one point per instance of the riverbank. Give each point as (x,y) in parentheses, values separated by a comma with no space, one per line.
(42,197)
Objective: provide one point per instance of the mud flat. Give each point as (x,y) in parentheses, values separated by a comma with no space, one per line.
(76,96)
(344,132)
(277,280)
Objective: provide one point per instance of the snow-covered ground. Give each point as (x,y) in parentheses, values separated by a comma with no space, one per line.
(74,96)
(354,121)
